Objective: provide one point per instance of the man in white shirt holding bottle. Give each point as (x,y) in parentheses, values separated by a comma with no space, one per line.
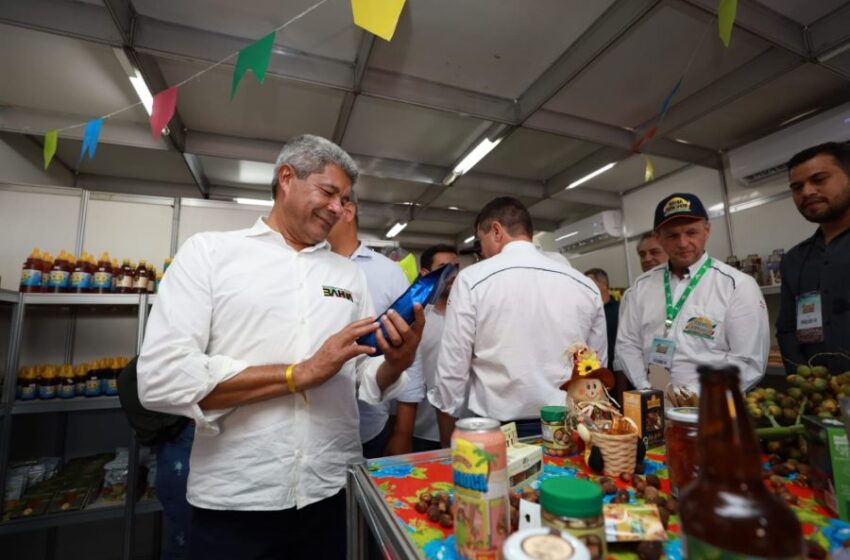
(692,310)
(253,336)
(386,282)
(509,322)
(416,428)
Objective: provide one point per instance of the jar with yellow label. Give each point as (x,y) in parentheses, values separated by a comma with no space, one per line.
(575,506)
(27,388)
(80,372)
(93,382)
(67,382)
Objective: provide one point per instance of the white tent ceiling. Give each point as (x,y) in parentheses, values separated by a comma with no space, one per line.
(567,82)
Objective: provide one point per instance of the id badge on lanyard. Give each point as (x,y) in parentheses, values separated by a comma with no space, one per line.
(809,318)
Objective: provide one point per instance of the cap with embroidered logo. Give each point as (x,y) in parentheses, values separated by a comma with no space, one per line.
(679,205)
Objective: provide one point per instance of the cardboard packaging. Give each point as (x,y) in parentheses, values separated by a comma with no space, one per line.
(645,407)
(829,458)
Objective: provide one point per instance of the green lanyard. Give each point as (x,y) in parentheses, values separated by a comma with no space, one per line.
(673,310)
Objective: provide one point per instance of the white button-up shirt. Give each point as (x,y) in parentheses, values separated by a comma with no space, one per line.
(422,375)
(509,323)
(724,320)
(386,282)
(231,300)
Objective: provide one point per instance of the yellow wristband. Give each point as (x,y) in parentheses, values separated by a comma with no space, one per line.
(290,382)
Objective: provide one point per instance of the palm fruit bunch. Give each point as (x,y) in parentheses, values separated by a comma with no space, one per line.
(777,415)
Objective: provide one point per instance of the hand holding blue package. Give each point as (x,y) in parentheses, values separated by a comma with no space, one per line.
(425,290)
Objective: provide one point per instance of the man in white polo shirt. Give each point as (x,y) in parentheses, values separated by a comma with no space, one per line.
(253,336)
(386,282)
(509,321)
(692,310)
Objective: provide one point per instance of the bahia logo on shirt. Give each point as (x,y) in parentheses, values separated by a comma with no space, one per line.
(701,327)
(330,291)
(676,205)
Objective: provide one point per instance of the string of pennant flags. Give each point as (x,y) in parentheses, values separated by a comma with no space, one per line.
(727,11)
(379,17)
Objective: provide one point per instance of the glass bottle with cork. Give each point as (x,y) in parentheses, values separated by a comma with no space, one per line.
(727,511)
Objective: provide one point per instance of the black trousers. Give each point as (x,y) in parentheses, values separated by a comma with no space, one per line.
(315,532)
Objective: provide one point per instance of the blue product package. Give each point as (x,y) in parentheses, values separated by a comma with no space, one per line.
(425,290)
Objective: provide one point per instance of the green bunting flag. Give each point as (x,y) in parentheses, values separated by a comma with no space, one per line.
(254,57)
(50,147)
(726,12)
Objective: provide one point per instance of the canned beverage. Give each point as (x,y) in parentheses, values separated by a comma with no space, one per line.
(480,478)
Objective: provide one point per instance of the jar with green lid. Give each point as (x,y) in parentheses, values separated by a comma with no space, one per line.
(575,506)
(556,439)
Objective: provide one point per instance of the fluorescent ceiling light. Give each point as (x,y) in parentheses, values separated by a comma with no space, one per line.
(830,54)
(800,116)
(590,176)
(567,235)
(477,154)
(142,91)
(453,208)
(254,201)
(396,229)
(716,208)
(469,239)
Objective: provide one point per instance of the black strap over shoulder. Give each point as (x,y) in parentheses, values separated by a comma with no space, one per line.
(151,427)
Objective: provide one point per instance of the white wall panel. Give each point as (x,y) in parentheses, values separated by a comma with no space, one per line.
(130,230)
(34,219)
(610,259)
(776,225)
(194,219)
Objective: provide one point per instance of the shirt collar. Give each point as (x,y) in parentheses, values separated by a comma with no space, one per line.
(261,228)
(516,247)
(693,268)
(362,252)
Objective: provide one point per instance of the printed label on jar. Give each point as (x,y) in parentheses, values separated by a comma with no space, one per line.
(60,279)
(126,281)
(102,280)
(92,387)
(109,386)
(30,278)
(46,391)
(81,387)
(697,549)
(28,392)
(67,391)
(81,280)
(555,436)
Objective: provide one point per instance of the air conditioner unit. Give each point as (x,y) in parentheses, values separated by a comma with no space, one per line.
(767,157)
(595,229)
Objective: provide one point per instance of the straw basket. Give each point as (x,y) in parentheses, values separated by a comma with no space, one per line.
(619,452)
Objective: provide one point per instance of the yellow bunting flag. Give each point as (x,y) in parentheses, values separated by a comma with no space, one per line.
(727,10)
(379,17)
(408,265)
(649,171)
(50,147)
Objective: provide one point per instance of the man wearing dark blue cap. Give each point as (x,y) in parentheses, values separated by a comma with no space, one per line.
(692,310)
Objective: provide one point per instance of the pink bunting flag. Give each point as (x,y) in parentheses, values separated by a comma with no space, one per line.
(164,104)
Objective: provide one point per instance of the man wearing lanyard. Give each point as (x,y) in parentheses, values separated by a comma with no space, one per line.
(509,321)
(692,311)
(386,282)
(253,335)
(814,316)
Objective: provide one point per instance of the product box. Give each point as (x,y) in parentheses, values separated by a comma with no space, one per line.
(646,409)
(829,458)
(524,461)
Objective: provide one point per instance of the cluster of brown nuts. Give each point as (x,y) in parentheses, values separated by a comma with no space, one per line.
(775,477)
(528,494)
(438,507)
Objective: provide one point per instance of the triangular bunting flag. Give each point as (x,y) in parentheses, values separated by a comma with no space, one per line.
(164,104)
(647,136)
(254,57)
(50,147)
(379,17)
(665,105)
(91,137)
(408,265)
(727,11)
(649,172)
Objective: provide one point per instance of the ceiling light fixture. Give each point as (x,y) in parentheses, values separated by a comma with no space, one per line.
(453,208)
(469,239)
(800,116)
(396,229)
(471,159)
(590,176)
(135,78)
(254,201)
(832,53)
(566,236)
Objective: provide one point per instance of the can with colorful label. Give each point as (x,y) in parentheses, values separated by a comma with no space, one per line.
(480,479)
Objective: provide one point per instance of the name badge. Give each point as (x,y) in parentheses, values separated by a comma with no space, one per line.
(661,352)
(809,318)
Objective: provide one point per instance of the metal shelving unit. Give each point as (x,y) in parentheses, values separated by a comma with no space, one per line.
(9,408)
(771,290)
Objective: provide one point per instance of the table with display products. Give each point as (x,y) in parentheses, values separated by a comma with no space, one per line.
(382,494)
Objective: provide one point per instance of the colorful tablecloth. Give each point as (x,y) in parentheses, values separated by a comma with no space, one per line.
(402,479)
